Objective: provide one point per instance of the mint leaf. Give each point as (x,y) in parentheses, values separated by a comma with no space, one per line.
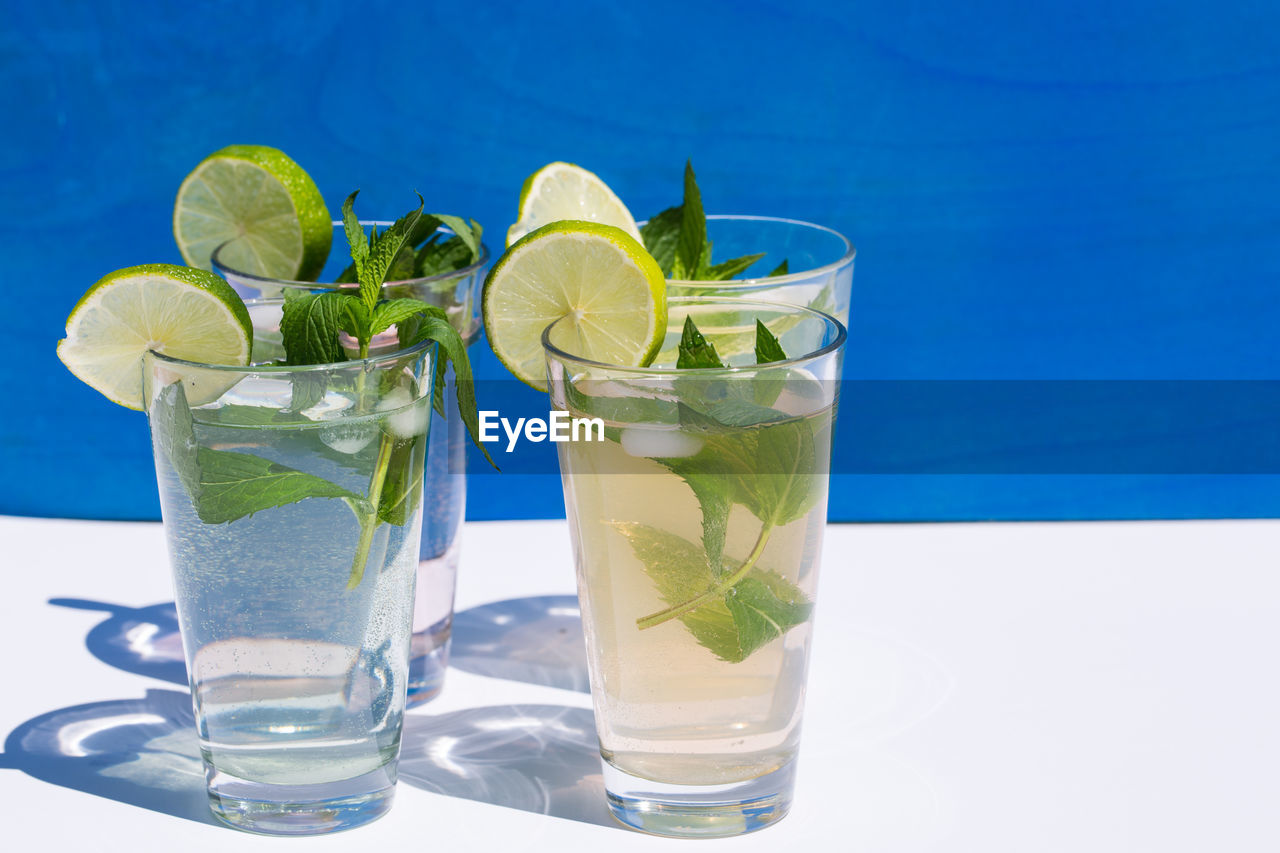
(175,435)
(307,389)
(714,501)
(356,238)
(423,229)
(452,347)
(760,615)
(469,233)
(677,239)
(235,485)
(437,387)
(225,486)
(309,328)
(695,350)
(825,301)
(785,450)
(735,412)
(383,249)
(728,269)
(402,267)
(767,347)
(692,253)
(660,235)
(768,386)
(394,311)
(768,465)
(780,269)
(438,257)
(354,318)
(679,572)
(767,604)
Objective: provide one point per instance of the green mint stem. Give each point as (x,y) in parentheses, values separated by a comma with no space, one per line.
(714,591)
(369,522)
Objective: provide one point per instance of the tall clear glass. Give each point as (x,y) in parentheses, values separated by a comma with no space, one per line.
(697,522)
(819,263)
(458,293)
(292,507)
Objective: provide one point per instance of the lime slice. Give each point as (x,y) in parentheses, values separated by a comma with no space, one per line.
(262,205)
(598,275)
(560,191)
(186,313)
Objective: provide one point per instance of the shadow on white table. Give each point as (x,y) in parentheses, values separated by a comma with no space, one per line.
(540,758)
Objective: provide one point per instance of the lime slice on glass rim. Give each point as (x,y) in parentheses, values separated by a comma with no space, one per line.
(597,275)
(262,205)
(561,191)
(182,312)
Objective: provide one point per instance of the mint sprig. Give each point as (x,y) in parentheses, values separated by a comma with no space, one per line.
(225,486)
(366,314)
(424,253)
(731,609)
(760,607)
(677,239)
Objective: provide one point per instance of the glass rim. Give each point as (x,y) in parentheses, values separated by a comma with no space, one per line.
(850,251)
(367,363)
(839,340)
(225,270)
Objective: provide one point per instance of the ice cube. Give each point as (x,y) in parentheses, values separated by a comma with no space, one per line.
(411,421)
(349,438)
(804,394)
(659,442)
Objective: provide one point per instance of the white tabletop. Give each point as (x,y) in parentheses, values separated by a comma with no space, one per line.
(984,687)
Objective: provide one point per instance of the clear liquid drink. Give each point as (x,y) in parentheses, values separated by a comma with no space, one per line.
(292,504)
(457,293)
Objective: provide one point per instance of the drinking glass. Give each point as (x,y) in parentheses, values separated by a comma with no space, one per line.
(819,262)
(458,294)
(291,499)
(697,522)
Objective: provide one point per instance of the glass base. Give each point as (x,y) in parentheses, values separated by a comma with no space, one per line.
(699,811)
(428,662)
(300,809)
(432,626)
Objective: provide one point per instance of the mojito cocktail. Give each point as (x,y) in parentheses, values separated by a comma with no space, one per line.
(289,437)
(452,284)
(697,528)
(292,506)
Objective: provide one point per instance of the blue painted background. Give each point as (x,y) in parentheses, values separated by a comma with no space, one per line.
(1091,191)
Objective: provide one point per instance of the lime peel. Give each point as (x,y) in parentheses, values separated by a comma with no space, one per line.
(262,206)
(600,278)
(182,312)
(563,191)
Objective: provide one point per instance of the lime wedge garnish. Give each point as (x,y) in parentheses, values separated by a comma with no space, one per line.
(262,205)
(186,313)
(560,191)
(598,276)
